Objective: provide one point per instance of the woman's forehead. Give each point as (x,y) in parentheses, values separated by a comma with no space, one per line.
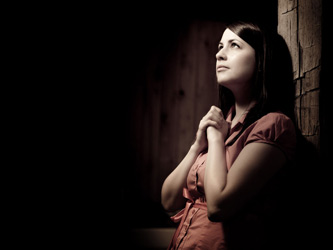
(229,35)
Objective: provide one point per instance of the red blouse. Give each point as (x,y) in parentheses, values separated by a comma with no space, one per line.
(195,230)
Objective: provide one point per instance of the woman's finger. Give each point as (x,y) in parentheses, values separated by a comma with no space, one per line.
(213,123)
(216,110)
(213,115)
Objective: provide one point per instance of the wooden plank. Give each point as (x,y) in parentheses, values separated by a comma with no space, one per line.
(314,139)
(210,34)
(287,28)
(282,8)
(189,89)
(298,98)
(300,25)
(291,5)
(169,116)
(154,85)
(310,123)
(310,15)
(188,58)
(311,80)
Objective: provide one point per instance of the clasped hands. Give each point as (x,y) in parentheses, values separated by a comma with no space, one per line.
(212,127)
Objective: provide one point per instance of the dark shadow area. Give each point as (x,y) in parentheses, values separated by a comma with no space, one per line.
(326,135)
(294,212)
(326,105)
(304,200)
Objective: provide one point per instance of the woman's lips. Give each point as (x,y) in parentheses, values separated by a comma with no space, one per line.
(221,68)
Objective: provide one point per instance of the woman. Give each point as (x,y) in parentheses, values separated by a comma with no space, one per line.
(228,185)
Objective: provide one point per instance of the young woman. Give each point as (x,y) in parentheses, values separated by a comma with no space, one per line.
(227,188)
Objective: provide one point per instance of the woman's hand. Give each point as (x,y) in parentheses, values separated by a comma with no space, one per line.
(212,126)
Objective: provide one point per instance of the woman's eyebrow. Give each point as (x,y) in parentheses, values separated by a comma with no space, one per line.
(230,41)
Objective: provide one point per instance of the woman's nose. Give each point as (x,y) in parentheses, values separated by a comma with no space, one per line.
(221,55)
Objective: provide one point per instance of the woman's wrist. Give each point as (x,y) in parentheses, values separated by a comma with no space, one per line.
(196,149)
(216,141)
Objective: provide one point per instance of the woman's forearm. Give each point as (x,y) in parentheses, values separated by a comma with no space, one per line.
(215,175)
(172,189)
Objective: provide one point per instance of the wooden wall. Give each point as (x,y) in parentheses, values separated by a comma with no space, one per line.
(304,25)
(300,23)
(174,92)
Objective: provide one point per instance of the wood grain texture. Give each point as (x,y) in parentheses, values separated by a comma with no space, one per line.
(175,91)
(300,23)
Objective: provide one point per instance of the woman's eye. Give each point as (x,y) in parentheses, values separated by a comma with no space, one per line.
(235,45)
(219,47)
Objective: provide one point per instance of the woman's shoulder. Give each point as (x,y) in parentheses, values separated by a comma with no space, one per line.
(275,119)
(274,128)
(276,116)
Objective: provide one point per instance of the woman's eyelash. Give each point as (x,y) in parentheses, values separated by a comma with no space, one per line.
(234,44)
(231,45)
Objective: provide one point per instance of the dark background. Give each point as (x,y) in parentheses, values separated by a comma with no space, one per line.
(97,77)
(118,174)
(115,184)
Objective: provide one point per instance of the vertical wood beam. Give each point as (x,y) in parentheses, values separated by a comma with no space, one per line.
(299,23)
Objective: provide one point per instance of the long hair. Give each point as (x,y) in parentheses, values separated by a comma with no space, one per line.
(273,87)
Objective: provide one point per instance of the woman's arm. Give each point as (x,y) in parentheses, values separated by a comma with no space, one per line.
(226,192)
(172,189)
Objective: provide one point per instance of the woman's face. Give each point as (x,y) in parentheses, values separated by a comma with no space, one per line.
(235,61)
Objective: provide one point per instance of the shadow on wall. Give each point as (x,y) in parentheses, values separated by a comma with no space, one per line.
(306,202)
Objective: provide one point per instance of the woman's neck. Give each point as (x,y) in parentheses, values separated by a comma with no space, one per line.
(242,105)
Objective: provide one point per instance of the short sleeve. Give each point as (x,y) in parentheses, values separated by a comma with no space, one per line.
(276,129)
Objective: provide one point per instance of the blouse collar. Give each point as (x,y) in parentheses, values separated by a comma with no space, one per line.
(231,114)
